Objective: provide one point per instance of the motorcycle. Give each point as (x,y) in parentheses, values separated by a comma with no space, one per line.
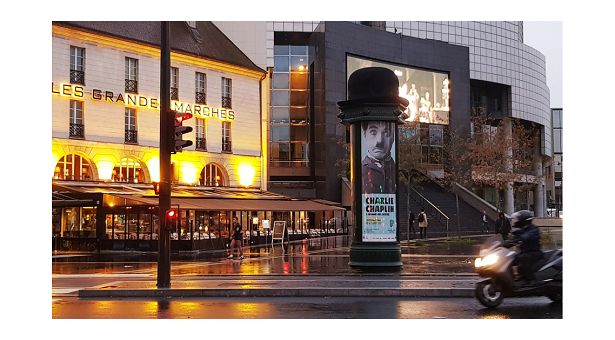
(502,279)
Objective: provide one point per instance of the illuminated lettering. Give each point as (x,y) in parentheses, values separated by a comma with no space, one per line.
(206,111)
(153,103)
(223,114)
(120,98)
(178,106)
(66,90)
(188,109)
(53,90)
(215,113)
(109,96)
(142,101)
(96,94)
(78,91)
(197,110)
(231,115)
(131,100)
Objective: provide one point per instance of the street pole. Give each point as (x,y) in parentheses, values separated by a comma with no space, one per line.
(166,124)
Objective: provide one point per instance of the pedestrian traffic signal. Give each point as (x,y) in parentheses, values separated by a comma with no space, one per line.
(156,187)
(177,142)
(171,217)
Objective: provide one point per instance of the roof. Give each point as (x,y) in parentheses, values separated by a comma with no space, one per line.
(206,41)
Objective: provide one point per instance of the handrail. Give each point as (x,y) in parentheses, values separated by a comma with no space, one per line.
(422,201)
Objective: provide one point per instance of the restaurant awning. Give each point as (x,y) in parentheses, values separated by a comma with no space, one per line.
(237,204)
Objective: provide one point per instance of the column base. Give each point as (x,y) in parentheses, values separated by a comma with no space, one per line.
(375,255)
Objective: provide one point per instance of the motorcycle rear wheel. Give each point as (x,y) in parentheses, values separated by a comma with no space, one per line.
(488,294)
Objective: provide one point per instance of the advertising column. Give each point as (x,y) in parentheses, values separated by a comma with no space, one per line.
(372,112)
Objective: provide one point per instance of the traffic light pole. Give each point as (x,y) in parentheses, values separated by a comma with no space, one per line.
(167,127)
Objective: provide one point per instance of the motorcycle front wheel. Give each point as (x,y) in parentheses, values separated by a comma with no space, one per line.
(488,294)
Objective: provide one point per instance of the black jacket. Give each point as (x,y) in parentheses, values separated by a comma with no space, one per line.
(502,226)
(529,237)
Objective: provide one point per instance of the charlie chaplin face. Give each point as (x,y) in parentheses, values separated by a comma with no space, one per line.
(379,138)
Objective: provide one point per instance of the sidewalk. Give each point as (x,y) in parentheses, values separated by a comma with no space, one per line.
(431,268)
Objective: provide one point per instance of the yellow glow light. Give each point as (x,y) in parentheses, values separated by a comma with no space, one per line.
(189,172)
(105,169)
(246,174)
(153,165)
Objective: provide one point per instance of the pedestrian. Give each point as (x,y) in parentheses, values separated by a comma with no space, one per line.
(237,238)
(485,224)
(422,219)
(502,226)
(411,223)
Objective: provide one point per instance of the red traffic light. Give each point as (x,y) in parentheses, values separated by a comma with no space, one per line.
(156,187)
(180,117)
(171,214)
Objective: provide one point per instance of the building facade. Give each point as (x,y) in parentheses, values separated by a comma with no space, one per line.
(106,128)
(487,65)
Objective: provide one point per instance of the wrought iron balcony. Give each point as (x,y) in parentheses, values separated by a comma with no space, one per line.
(200,98)
(174,93)
(76,130)
(226,146)
(201,143)
(131,86)
(77,77)
(226,102)
(130,136)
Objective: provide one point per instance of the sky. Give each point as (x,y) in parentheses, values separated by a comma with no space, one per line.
(547,37)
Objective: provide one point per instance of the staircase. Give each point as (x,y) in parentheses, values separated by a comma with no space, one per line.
(444,203)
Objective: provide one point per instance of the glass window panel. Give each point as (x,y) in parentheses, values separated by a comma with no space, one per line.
(280,133)
(280,50)
(298,81)
(298,151)
(435,135)
(279,115)
(295,50)
(279,98)
(298,63)
(280,64)
(557,140)
(298,98)
(280,81)
(284,154)
(299,133)
(298,115)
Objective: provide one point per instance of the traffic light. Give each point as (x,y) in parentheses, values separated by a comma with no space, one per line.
(171,217)
(156,187)
(177,143)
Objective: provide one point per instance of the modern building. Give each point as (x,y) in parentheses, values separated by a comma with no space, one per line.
(461,64)
(555,172)
(105,139)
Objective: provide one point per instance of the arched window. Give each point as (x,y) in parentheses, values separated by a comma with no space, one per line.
(213,176)
(73,167)
(128,170)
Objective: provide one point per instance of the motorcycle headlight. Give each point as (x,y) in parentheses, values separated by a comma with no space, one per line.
(487,261)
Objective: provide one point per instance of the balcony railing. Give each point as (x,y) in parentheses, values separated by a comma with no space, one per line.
(76,130)
(226,146)
(174,93)
(226,102)
(131,86)
(201,143)
(130,136)
(77,77)
(199,98)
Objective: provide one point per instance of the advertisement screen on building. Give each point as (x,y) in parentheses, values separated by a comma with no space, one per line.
(427,91)
(378,177)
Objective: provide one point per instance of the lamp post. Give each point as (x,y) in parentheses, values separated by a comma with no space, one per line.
(373,111)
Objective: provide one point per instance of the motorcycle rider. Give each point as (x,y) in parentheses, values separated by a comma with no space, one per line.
(527,235)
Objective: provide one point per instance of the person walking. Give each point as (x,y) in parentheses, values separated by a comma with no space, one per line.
(485,224)
(237,238)
(411,224)
(422,218)
(502,226)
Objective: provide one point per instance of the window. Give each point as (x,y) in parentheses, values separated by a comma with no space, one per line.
(226,137)
(77,65)
(130,71)
(200,88)
(226,93)
(76,119)
(130,124)
(201,139)
(212,176)
(128,170)
(73,167)
(174,83)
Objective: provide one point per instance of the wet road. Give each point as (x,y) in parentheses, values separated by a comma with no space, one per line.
(303,308)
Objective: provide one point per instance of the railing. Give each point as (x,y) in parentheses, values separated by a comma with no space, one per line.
(226,102)
(131,86)
(199,98)
(174,93)
(430,208)
(77,77)
(130,136)
(226,146)
(76,130)
(201,143)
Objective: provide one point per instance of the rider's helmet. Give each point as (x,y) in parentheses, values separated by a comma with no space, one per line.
(521,219)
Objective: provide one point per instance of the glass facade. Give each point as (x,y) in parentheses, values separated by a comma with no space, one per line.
(289,107)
